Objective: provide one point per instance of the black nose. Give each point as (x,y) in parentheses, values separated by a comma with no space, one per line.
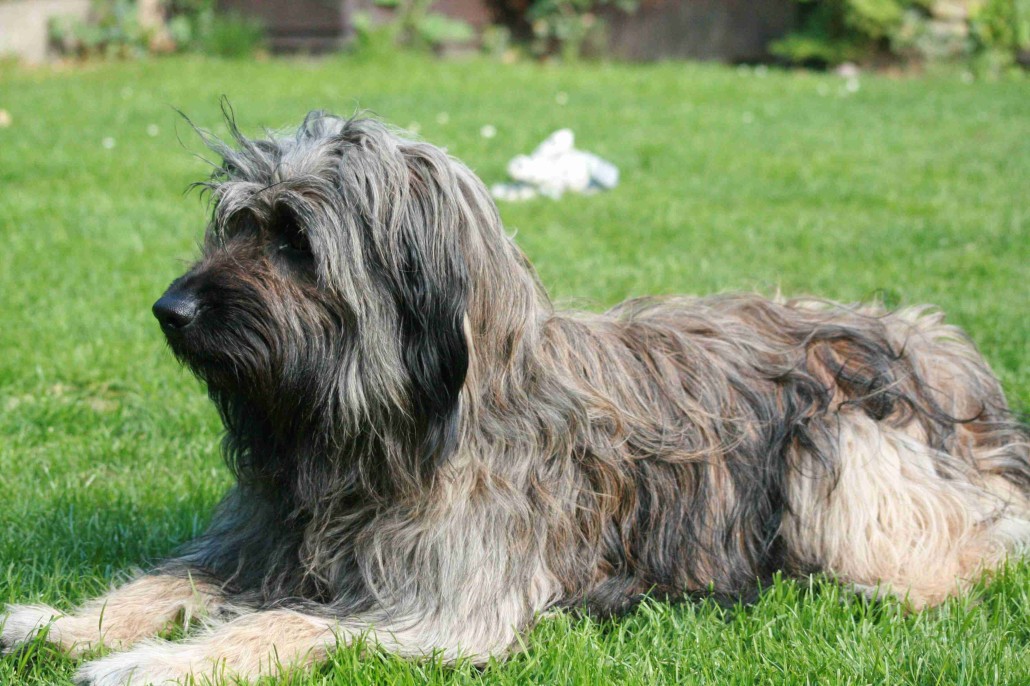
(176,309)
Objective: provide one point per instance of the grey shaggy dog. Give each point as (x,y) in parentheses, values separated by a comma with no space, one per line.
(428,454)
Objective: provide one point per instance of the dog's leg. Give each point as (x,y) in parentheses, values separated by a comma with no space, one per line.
(274,642)
(136,610)
(249,646)
(898,517)
(468,618)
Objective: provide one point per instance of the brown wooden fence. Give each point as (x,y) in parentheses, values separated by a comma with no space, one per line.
(298,25)
(726,30)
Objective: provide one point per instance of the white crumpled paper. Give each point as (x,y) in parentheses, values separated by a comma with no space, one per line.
(555,168)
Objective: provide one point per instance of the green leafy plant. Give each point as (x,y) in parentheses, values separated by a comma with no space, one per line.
(413,25)
(834,31)
(113,29)
(994,32)
(229,35)
(438,29)
(1001,30)
(568,26)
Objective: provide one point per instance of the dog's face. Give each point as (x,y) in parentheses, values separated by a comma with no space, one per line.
(332,289)
(250,316)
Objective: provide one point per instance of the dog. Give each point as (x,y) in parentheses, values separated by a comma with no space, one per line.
(428,454)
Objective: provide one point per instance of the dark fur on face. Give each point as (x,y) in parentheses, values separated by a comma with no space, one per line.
(427,450)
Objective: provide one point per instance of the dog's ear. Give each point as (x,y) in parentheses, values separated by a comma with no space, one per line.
(431,284)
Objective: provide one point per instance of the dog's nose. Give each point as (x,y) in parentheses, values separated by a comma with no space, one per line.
(176,309)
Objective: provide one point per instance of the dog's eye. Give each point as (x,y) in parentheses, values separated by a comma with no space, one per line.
(244,223)
(292,237)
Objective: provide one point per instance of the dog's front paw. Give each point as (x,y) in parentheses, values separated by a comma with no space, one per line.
(21,623)
(154,663)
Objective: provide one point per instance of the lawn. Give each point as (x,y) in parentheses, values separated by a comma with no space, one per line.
(911,190)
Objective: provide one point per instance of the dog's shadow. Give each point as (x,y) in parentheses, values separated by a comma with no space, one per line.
(74,545)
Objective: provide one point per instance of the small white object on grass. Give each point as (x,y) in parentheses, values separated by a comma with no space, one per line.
(554,168)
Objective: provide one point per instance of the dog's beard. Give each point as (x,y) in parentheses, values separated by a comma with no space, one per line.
(217,359)
(239,347)
(274,391)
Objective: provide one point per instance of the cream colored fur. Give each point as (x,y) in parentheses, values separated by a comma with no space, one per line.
(125,615)
(891,524)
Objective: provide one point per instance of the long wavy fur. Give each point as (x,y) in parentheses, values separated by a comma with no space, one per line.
(426,449)
(416,364)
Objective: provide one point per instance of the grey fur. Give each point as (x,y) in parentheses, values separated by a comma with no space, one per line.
(428,451)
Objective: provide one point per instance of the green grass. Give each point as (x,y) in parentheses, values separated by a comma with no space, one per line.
(910,190)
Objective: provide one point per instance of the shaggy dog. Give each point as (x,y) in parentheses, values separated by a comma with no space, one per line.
(428,454)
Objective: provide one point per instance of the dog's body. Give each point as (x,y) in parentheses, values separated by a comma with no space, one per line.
(429,454)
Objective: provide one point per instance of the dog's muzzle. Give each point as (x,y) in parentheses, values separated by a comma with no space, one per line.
(176,309)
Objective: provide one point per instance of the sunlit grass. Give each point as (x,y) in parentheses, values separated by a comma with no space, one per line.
(908,190)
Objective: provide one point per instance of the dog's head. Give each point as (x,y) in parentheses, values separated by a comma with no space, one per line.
(331,300)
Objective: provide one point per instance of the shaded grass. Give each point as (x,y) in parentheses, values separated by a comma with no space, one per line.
(909,190)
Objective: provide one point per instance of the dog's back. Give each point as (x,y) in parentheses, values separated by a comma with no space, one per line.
(753,436)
